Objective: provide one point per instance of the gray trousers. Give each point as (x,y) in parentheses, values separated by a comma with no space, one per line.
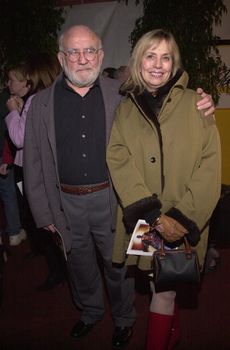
(90,221)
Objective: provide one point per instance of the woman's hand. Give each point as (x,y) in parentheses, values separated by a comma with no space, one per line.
(170,229)
(15,103)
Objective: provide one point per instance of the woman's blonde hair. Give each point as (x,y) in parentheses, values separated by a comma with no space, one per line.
(135,82)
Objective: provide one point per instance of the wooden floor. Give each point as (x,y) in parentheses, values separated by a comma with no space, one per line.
(32,320)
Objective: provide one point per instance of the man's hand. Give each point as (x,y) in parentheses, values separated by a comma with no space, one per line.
(205,103)
(3,169)
(170,229)
(50,228)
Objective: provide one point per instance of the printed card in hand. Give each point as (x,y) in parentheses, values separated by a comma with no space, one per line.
(59,242)
(143,241)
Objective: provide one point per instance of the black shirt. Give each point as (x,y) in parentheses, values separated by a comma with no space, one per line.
(80,135)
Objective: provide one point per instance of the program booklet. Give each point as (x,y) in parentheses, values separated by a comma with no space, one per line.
(143,241)
(59,242)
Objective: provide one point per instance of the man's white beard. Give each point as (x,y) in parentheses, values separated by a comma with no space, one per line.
(72,77)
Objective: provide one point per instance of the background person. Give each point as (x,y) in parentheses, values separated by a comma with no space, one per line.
(164,160)
(122,73)
(7,180)
(109,72)
(41,70)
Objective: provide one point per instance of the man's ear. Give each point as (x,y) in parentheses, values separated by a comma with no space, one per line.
(60,58)
(100,56)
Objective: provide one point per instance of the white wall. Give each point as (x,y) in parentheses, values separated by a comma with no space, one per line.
(113,21)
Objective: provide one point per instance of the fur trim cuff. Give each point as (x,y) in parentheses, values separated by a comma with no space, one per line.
(147,208)
(194,233)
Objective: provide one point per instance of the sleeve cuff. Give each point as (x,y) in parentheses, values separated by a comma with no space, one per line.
(146,208)
(194,233)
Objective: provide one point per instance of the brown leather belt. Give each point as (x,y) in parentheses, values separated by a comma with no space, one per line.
(84,189)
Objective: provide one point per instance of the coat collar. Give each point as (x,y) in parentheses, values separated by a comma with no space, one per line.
(152,105)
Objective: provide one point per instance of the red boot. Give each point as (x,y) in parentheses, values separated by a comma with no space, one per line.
(158,332)
(175,330)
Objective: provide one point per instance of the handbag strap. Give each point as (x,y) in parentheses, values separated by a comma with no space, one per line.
(188,249)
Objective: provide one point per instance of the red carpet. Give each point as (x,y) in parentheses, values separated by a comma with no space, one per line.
(32,320)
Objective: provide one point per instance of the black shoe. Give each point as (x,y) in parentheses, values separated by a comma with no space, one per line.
(51,282)
(121,336)
(80,329)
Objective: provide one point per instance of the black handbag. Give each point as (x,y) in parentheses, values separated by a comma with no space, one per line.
(175,266)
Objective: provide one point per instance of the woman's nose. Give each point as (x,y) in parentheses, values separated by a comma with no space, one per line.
(158,62)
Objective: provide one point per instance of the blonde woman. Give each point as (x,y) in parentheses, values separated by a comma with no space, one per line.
(164,160)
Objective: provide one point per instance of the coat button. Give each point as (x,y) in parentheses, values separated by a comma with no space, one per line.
(152,159)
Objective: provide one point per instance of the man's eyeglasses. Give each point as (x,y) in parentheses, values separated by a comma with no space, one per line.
(74,54)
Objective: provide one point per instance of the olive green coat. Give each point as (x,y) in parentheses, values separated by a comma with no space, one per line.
(188,160)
